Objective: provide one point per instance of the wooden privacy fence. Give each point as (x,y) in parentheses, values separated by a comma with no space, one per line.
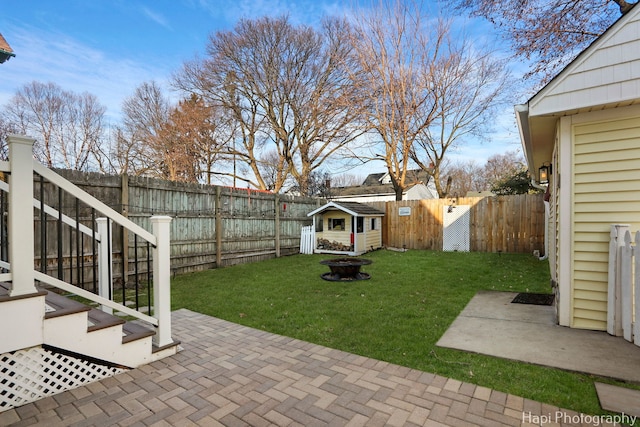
(623,296)
(212,226)
(510,224)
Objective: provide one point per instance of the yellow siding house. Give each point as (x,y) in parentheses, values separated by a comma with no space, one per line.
(583,128)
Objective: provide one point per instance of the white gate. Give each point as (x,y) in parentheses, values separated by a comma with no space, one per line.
(623,299)
(307,240)
(455,228)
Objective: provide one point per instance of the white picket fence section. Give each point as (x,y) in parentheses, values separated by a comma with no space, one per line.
(307,240)
(623,310)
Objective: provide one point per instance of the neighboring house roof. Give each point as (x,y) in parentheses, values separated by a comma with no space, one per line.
(604,75)
(379,184)
(362,189)
(413,176)
(5,48)
(352,208)
(374,178)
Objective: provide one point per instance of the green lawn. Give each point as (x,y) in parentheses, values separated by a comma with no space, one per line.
(396,316)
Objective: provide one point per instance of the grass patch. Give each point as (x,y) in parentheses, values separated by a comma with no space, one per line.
(396,316)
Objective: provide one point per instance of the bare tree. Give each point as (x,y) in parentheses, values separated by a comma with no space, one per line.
(468,85)
(497,170)
(548,32)
(502,166)
(68,127)
(427,86)
(6,128)
(192,140)
(138,138)
(288,90)
(463,177)
(346,180)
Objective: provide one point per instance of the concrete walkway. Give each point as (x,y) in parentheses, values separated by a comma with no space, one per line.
(231,375)
(490,324)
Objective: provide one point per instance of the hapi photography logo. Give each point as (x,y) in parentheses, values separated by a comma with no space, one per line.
(580,419)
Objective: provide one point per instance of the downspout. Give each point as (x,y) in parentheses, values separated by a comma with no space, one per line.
(522,120)
(546,217)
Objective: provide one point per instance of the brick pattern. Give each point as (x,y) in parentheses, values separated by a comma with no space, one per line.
(231,375)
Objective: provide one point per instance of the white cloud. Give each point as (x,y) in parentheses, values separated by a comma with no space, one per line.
(47,56)
(157,18)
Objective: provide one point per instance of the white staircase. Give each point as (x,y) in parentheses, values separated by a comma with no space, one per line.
(49,342)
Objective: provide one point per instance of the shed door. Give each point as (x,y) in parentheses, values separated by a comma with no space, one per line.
(455,228)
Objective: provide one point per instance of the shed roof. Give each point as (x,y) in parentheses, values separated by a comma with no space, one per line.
(352,208)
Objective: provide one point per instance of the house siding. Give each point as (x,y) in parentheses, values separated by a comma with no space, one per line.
(610,73)
(606,172)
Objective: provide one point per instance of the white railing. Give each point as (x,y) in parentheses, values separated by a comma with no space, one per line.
(22,275)
(623,302)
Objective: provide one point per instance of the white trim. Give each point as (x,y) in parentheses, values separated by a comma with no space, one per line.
(92,297)
(631,111)
(91,201)
(341,208)
(565,266)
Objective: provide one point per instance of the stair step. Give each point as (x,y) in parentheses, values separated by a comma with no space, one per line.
(98,319)
(62,306)
(133,331)
(4,293)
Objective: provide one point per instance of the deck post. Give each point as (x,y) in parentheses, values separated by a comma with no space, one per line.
(162,279)
(105,266)
(21,251)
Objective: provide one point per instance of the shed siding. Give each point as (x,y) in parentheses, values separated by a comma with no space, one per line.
(610,73)
(606,170)
(341,236)
(373,237)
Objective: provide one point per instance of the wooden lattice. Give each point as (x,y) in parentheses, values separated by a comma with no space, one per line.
(31,374)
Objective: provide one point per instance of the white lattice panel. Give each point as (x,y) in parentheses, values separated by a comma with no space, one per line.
(31,374)
(455,228)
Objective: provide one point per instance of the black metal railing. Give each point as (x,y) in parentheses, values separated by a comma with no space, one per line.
(67,248)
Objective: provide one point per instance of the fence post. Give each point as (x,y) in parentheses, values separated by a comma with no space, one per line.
(162,279)
(105,266)
(21,236)
(614,304)
(276,225)
(626,290)
(218,222)
(636,288)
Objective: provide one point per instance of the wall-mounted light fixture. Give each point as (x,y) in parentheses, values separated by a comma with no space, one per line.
(544,172)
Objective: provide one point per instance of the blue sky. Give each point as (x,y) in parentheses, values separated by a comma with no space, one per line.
(109,47)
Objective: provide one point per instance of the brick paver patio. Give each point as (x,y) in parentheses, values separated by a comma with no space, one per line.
(231,375)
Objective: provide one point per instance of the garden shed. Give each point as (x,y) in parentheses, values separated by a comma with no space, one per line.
(348,228)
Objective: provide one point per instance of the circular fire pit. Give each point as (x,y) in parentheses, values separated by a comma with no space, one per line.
(345,269)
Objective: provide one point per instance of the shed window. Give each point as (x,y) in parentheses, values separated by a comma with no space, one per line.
(374,224)
(336,224)
(359,224)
